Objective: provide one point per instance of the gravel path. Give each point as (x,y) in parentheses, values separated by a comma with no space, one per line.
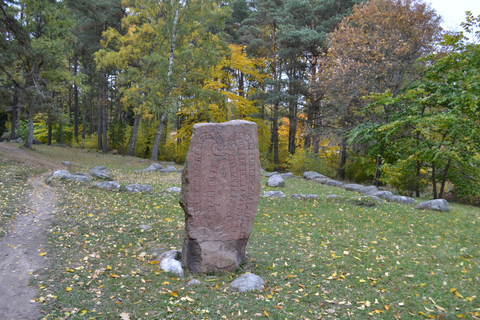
(23,249)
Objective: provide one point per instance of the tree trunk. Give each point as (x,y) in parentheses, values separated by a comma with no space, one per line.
(75,101)
(29,141)
(104,122)
(292,129)
(49,135)
(158,136)
(133,137)
(417,189)
(343,159)
(444,179)
(84,117)
(376,177)
(15,116)
(434,181)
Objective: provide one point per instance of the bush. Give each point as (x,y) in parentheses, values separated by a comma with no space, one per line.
(303,160)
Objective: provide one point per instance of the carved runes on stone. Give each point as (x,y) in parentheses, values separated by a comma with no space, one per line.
(220,193)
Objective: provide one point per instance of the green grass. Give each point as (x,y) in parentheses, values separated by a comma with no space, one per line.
(321,259)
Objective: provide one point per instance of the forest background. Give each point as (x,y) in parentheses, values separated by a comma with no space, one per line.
(366,91)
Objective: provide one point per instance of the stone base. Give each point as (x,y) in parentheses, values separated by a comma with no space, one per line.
(213,256)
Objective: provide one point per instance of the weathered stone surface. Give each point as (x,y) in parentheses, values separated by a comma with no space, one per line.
(382,194)
(138,188)
(304,196)
(172,265)
(353,187)
(152,167)
(401,199)
(111,185)
(310,175)
(287,175)
(437,205)
(247,282)
(220,193)
(268,175)
(334,196)
(275,181)
(366,201)
(274,194)
(368,190)
(168,169)
(321,180)
(193,282)
(66,163)
(100,172)
(174,190)
(334,183)
(66,175)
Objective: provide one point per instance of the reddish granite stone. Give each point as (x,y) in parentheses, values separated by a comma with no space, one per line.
(220,193)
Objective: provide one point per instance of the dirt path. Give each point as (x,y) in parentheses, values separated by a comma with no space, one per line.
(22,250)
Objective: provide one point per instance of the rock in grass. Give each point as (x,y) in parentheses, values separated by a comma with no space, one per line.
(174,190)
(172,265)
(168,169)
(274,194)
(268,175)
(66,163)
(334,183)
(247,282)
(193,282)
(275,181)
(138,188)
(322,180)
(287,175)
(353,187)
(382,194)
(436,205)
(304,196)
(100,172)
(111,185)
(310,175)
(66,175)
(366,201)
(369,190)
(151,168)
(401,199)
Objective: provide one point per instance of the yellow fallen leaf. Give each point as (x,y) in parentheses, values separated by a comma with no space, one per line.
(42,254)
(70,270)
(173,293)
(278,306)
(265,313)
(456,293)
(387,307)
(113,275)
(69,289)
(291,276)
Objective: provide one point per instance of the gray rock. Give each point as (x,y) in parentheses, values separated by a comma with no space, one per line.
(66,175)
(100,172)
(151,168)
(369,190)
(174,189)
(145,227)
(19,140)
(193,282)
(268,175)
(38,142)
(168,169)
(310,175)
(274,194)
(172,265)
(172,254)
(138,188)
(66,163)
(287,175)
(304,196)
(247,282)
(436,205)
(334,183)
(401,199)
(111,185)
(366,201)
(353,187)
(334,196)
(275,181)
(382,194)
(60,173)
(323,180)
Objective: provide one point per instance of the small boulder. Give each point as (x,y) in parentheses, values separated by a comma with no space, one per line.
(353,187)
(61,173)
(310,175)
(145,227)
(304,196)
(172,265)
(401,199)
(247,282)
(334,196)
(322,180)
(366,201)
(334,183)
(369,190)
(151,168)
(168,169)
(174,190)
(111,185)
(66,163)
(268,175)
(193,282)
(138,188)
(436,205)
(274,194)
(382,194)
(275,181)
(101,172)
(287,175)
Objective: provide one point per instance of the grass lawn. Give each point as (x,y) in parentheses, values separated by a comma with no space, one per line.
(320,258)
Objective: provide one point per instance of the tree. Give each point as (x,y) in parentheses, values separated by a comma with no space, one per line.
(436,126)
(375,50)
